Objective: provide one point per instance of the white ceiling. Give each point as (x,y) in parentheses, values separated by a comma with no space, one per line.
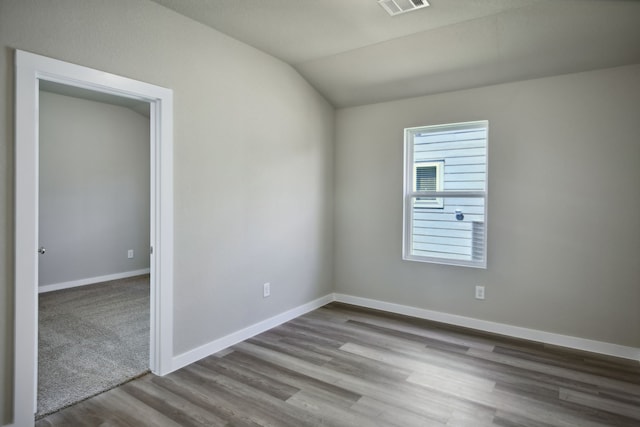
(354,53)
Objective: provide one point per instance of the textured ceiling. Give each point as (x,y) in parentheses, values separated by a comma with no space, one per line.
(304,30)
(354,53)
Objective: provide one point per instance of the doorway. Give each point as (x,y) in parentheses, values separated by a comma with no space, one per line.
(93,269)
(31,70)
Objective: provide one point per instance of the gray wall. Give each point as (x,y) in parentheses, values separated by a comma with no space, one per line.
(563,228)
(253,159)
(94,189)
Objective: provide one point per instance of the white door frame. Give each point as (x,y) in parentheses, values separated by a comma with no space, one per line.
(30,69)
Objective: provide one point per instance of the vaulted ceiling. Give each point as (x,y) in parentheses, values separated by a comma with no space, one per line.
(354,53)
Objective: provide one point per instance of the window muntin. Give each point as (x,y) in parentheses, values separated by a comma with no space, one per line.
(445,205)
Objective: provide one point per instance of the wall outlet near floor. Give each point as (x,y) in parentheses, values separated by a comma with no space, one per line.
(479,292)
(130,253)
(266,290)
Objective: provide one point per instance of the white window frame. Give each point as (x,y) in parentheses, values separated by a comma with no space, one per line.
(410,193)
(432,202)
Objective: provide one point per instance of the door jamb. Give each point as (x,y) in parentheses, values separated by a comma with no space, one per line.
(30,69)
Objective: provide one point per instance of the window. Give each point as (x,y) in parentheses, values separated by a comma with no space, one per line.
(428,176)
(445,198)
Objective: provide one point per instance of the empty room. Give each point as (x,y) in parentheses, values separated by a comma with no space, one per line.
(348,212)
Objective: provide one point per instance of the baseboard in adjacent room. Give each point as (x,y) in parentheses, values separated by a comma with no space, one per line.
(213,347)
(576,343)
(91,280)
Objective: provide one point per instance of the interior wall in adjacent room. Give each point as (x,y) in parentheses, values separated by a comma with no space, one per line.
(94,189)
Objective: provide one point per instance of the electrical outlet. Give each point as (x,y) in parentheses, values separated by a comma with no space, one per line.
(130,253)
(266,290)
(479,292)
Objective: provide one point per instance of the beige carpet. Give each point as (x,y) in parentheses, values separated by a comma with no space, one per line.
(91,339)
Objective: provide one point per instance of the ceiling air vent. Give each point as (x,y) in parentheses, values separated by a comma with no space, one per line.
(396,7)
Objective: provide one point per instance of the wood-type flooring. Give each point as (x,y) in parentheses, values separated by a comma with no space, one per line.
(347,366)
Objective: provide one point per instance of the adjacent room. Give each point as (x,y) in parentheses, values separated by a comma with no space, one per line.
(93,278)
(354,212)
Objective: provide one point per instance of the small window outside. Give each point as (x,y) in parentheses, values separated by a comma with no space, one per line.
(428,176)
(445,201)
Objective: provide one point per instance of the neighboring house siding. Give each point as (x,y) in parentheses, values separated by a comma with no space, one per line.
(436,231)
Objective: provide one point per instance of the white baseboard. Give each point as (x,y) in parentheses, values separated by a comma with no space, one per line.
(616,350)
(208,349)
(91,280)
(600,347)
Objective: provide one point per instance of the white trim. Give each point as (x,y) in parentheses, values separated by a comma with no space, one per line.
(220,344)
(577,343)
(208,349)
(29,70)
(91,280)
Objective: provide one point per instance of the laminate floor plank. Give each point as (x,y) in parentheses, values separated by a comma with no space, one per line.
(505,375)
(284,348)
(394,415)
(481,418)
(345,366)
(237,411)
(507,419)
(291,377)
(600,402)
(571,363)
(203,399)
(265,409)
(630,387)
(430,328)
(80,416)
(125,411)
(469,341)
(328,413)
(362,367)
(401,394)
(172,405)
(557,413)
(433,372)
(421,340)
(291,331)
(343,361)
(264,383)
(354,332)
